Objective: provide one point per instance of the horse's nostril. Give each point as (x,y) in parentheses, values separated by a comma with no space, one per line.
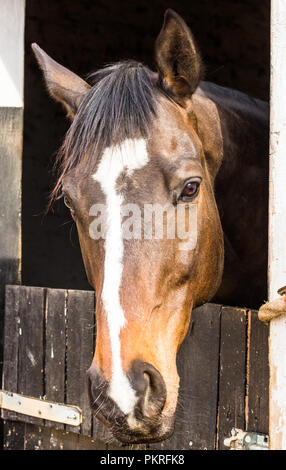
(150,387)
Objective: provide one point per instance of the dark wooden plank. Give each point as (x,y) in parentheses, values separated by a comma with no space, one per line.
(80,327)
(195,426)
(55,348)
(232,377)
(31,351)
(86,443)
(257,375)
(57,440)
(46,438)
(222,364)
(34,437)
(14,435)
(11,345)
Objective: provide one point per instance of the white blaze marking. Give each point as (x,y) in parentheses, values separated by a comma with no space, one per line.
(130,155)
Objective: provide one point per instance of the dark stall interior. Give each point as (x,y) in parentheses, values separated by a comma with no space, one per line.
(233,37)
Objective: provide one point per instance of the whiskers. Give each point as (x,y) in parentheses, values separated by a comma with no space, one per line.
(96,413)
(97,398)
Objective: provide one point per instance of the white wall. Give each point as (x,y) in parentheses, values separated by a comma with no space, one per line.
(12,15)
(277,223)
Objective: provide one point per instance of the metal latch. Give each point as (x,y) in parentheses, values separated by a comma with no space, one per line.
(244,440)
(58,412)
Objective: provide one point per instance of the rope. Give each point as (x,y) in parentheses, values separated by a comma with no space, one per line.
(273,309)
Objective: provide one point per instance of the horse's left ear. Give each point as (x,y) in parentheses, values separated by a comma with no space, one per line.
(63,85)
(178,61)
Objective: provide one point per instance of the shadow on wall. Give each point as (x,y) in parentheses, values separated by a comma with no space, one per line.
(233,39)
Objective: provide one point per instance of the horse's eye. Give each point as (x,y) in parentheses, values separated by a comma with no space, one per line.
(190,191)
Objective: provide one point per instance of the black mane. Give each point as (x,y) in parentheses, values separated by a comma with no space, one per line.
(119,105)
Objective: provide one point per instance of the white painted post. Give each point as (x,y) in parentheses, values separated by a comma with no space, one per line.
(12,18)
(12,15)
(277,224)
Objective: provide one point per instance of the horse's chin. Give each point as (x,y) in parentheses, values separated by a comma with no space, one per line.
(143,434)
(130,439)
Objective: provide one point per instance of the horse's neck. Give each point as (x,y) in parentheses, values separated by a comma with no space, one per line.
(234,99)
(244,125)
(241,192)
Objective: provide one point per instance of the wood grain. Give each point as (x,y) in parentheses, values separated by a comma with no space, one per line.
(49,345)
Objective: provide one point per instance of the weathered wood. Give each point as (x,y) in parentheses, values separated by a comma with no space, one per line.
(14,435)
(11,345)
(80,326)
(257,375)
(55,348)
(31,348)
(33,437)
(50,341)
(232,380)
(42,438)
(198,370)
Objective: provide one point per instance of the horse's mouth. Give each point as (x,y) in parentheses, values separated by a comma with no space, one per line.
(145,432)
(146,422)
(148,439)
(134,428)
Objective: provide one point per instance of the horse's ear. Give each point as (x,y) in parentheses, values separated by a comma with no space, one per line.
(178,60)
(63,85)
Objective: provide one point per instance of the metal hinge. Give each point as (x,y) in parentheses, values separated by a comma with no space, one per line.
(244,440)
(43,409)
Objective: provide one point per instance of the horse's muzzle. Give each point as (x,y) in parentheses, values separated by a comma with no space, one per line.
(145,422)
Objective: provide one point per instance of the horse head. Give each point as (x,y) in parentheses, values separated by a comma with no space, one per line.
(137,171)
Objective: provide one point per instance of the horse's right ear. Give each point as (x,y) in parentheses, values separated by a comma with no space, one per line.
(63,85)
(177,58)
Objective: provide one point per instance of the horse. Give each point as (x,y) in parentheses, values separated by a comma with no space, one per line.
(165,147)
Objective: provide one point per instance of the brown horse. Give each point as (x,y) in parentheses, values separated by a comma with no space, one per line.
(146,148)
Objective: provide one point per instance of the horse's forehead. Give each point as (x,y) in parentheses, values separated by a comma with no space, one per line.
(136,162)
(172,133)
(129,155)
(171,140)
